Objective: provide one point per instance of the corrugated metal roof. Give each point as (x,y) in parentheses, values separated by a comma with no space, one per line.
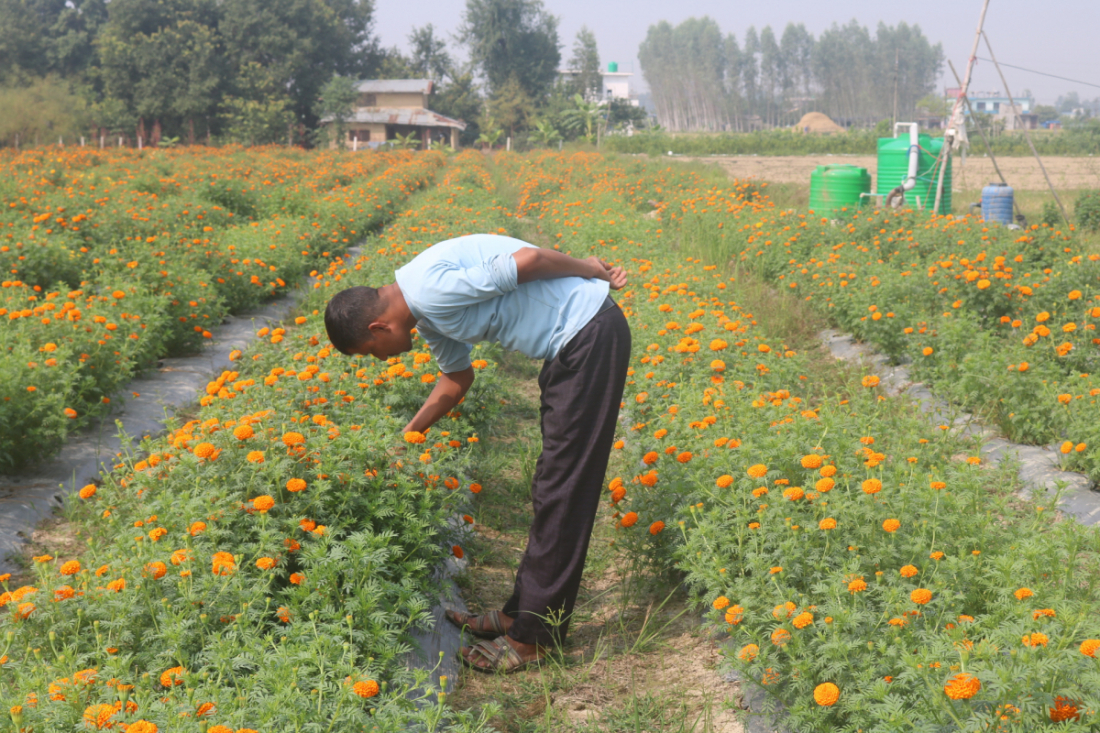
(396,86)
(404,116)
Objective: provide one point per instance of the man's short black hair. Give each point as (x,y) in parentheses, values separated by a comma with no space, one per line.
(349,314)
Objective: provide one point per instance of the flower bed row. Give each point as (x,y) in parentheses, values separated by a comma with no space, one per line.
(1003,322)
(113,259)
(260,567)
(872,574)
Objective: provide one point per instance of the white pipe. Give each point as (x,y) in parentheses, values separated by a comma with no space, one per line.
(897,196)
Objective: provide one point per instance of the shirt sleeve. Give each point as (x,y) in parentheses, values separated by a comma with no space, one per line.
(451,356)
(448,286)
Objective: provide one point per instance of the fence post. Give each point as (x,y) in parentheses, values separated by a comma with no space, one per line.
(139,142)
(81,141)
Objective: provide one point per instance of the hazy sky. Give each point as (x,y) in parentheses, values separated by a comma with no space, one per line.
(1053,36)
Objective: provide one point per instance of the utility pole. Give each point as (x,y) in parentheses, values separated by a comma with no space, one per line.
(897,59)
(1027,134)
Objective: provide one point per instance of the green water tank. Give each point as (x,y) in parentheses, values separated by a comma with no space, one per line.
(893,169)
(835,187)
(613,66)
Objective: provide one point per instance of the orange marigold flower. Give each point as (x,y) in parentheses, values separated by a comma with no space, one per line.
(243,432)
(205,450)
(263,503)
(724,481)
(156,569)
(857,585)
(629,519)
(869,381)
(734,614)
(793,493)
(758,471)
(292,439)
(256,456)
(88,491)
(657,527)
(156,533)
(365,689)
(780,637)
(1023,593)
(811,461)
(172,677)
(828,471)
(748,652)
(72,567)
(295,485)
(223,564)
(826,694)
(181,556)
(1036,639)
(803,620)
(457,552)
(684,457)
(784,610)
(1089,647)
(962,686)
(872,486)
(296,578)
(414,437)
(827,523)
(920,596)
(265,563)
(650,458)
(1064,709)
(775,570)
(720,602)
(99,716)
(908,571)
(117,586)
(475,488)
(824,485)
(196,528)
(1043,613)
(891,525)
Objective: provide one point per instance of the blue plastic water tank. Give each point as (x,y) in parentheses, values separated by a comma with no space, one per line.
(997,203)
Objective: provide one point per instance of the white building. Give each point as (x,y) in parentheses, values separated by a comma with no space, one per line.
(614,84)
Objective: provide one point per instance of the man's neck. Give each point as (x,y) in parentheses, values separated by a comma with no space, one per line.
(396,305)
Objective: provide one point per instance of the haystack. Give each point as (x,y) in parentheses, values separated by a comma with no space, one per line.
(817,122)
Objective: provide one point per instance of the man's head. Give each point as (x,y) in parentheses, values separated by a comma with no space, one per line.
(364,320)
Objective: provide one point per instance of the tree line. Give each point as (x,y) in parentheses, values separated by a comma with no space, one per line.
(702,79)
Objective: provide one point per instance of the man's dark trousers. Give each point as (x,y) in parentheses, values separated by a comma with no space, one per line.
(582,389)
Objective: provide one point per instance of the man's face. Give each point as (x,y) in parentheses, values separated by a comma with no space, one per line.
(386,344)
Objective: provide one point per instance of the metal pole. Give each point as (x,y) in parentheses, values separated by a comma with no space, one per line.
(1027,134)
(981,133)
(955,119)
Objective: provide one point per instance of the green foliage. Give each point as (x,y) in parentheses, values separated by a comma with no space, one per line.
(429,59)
(259,111)
(1087,211)
(513,39)
(583,118)
(511,107)
(459,99)
(545,134)
(1051,215)
(336,105)
(41,112)
(585,63)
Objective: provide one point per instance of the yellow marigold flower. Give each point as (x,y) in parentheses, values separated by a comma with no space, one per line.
(891,525)
(962,686)
(414,437)
(872,486)
(295,485)
(826,694)
(720,602)
(758,471)
(803,620)
(748,652)
(908,571)
(811,461)
(920,596)
(1023,593)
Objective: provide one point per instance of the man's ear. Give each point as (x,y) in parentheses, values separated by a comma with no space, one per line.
(379,328)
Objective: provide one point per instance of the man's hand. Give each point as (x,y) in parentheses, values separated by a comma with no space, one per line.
(601,270)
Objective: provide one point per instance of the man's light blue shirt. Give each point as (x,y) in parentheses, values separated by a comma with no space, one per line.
(464,290)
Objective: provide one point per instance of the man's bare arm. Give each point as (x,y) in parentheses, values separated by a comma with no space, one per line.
(447,393)
(535,263)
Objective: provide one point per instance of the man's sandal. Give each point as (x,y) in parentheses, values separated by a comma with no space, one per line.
(486,625)
(499,654)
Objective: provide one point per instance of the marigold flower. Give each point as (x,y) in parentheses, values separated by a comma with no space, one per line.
(734,614)
(938,485)
(898,621)
(803,620)
(265,563)
(872,486)
(650,458)
(296,578)
(1089,647)
(99,716)
(365,689)
(256,456)
(657,527)
(243,432)
(908,571)
(196,528)
(828,471)
(156,533)
(72,567)
(857,585)
(292,439)
(869,381)
(295,485)
(684,457)
(758,471)
(88,491)
(824,485)
(920,596)
(724,481)
(414,437)
(205,450)
(457,552)
(780,637)
(793,493)
(811,461)
(826,694)
(1023,593)
(172,677)
(927,351)
(223,564)
(937,555)
(748,652)
(962,686)
(827,523)
(891,525)
(156,569)
(117,586)
(775,570)
(720,602)
(263,503)
(629,519)
(180,556)
(1064,709)
(1034,640)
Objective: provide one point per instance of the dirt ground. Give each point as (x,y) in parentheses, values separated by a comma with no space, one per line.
(1023,174)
